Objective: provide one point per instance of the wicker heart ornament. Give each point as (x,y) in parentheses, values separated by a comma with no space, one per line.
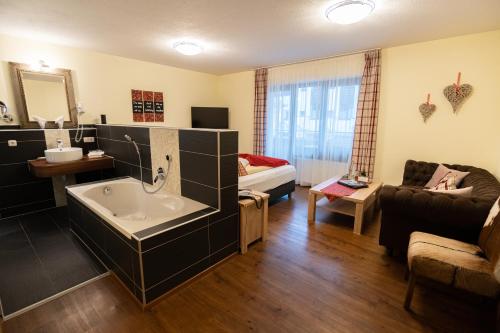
(427,109)
(457,93)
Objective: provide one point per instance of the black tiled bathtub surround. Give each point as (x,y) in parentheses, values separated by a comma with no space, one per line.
(111,139)
(20,192)
(167,258)
(39,258)
(208,163)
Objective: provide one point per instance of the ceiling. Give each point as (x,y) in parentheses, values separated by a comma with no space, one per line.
(238,34)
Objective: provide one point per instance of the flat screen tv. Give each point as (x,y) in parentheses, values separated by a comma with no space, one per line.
(207,117)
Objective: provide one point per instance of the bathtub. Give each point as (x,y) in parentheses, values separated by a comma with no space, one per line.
(124,205)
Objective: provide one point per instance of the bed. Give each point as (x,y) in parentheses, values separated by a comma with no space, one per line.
(277,182)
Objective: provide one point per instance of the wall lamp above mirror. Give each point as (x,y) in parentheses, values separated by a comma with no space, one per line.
(43,93)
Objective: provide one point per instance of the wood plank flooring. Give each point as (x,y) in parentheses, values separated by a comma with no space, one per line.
(321,278)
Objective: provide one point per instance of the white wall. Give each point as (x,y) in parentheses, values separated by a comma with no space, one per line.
(236,91)
(103,82)
(471,136)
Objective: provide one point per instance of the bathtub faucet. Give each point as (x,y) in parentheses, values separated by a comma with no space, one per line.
(160,176)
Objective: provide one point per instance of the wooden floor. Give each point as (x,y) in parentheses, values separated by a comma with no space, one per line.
(321,278)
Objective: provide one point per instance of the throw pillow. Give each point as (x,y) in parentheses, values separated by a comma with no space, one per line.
(243,161)
(460,192)
(241,170)
(442,171)
(489,238)
(449,182)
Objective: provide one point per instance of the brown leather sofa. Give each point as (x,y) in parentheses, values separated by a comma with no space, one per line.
(409,207)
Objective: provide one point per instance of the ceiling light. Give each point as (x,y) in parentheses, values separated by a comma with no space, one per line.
(350,11)
(188,48)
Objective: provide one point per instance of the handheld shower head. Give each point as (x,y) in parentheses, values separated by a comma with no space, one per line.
(128,138)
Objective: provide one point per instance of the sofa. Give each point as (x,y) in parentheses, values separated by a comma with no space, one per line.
(409,207)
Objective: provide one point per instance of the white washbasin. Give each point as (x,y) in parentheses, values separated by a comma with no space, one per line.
(59,155)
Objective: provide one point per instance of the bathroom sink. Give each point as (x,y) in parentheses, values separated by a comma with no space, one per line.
(59,155)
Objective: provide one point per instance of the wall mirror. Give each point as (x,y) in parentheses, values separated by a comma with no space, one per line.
(46,93)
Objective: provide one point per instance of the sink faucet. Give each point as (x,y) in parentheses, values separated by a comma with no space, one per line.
(60,144)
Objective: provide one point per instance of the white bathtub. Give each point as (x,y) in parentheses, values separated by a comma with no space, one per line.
(124,205)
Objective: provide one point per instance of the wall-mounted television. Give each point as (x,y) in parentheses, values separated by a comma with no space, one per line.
(208,117)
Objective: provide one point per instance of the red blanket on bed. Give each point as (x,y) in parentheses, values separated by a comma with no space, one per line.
(259,160)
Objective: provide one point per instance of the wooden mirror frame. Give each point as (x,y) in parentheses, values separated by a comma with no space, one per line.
(16,73)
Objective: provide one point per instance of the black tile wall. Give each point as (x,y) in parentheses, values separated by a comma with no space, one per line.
(201,193)
(196,141)
(224,253)
(223,232)
(86,146)
(202,153)
(19,190)
(229,203)
(117,252)
(200,168)
(112,140)
(228,143)
(228,170)
(179,253)
(177,279)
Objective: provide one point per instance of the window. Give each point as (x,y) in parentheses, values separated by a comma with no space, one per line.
(312,120)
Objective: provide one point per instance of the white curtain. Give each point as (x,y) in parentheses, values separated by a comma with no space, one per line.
(311,112)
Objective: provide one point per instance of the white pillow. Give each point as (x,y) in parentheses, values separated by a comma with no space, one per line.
(461,192)
(243,161)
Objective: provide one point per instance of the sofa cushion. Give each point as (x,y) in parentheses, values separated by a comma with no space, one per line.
(452,262)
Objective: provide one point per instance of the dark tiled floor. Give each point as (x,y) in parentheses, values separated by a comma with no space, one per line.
(39,257)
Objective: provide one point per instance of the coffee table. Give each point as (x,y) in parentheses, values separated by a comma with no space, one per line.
(353,205)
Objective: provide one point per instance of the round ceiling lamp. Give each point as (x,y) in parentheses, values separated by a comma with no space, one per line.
(188,48)
(350,11)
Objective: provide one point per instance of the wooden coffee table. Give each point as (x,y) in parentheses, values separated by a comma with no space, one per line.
(353,205)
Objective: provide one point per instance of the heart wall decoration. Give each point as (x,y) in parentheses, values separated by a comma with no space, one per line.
(457,93)
(427,109)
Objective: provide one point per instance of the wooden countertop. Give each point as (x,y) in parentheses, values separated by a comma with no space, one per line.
(41,168)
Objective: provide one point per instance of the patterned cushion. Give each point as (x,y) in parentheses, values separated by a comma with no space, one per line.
(241,169)
(442,171)
(449,182)
(489,238)
(452,262)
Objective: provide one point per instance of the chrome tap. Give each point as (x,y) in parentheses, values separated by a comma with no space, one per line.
(160,175)
(60,144)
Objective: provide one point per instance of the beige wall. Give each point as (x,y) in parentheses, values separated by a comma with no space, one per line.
(103,82)
(236,91)
(472,136)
